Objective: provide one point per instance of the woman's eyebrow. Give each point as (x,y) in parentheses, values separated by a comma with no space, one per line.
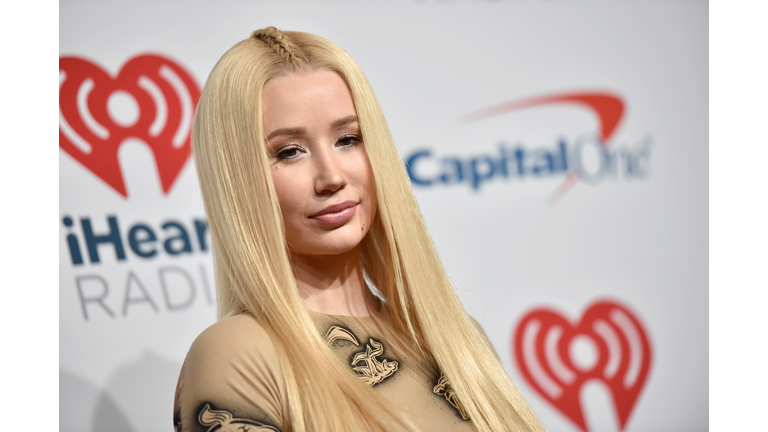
(300,130)
(344,121)
(286,131)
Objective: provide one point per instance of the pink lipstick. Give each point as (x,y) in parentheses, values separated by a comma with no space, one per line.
(336,213)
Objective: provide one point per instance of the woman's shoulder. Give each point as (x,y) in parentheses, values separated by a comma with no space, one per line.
(231,370)
(232,333)
(234,338)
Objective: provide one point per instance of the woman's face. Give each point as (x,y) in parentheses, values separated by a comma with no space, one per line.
(320,169)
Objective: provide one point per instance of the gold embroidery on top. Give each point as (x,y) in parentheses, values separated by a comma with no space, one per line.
(338,333)
(443,388)
(373,371)
(223,421)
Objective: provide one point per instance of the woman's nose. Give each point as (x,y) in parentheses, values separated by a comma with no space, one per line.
(329,174)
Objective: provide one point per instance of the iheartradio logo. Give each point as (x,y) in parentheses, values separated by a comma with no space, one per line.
(152,98)
(547,346)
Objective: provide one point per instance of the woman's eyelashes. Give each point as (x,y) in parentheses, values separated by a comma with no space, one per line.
(294,151)
(348,141)
(289,152)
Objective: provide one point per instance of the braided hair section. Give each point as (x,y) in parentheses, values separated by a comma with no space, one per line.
(281,45)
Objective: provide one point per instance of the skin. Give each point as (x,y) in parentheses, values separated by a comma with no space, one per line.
(318,159)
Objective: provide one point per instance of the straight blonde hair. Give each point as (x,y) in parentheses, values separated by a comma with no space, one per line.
(252,266)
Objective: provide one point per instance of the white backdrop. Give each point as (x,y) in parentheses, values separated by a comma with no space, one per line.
(629,227)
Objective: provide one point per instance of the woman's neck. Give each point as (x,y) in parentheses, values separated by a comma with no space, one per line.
(333,284)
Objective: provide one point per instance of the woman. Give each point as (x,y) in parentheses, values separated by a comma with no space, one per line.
(307,199)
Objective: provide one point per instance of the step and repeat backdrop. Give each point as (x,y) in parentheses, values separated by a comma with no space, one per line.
(558,150)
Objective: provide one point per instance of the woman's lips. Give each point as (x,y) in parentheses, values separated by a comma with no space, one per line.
(336,213)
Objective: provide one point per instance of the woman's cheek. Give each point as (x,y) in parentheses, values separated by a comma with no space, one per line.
(286,191)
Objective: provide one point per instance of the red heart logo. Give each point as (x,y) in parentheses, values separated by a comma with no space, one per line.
(165,95)
(544,346)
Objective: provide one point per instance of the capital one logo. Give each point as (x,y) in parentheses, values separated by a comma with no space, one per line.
(607,107)
(546,349)
(160,95)
(590,157)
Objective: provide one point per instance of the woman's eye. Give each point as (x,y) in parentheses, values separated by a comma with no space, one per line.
(288,153)
(348,141)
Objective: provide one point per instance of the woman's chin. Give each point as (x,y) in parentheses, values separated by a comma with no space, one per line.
(333,243)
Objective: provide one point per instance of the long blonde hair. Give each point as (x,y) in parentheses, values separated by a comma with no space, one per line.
(253,271)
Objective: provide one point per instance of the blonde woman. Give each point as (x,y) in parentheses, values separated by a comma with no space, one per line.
(335,313)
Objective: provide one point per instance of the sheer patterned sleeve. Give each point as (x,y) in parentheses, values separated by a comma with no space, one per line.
(230,381)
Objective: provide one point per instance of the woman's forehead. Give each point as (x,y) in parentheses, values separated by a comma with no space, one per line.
(300,99)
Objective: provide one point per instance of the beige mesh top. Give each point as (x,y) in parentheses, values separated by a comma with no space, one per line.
(231,379)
